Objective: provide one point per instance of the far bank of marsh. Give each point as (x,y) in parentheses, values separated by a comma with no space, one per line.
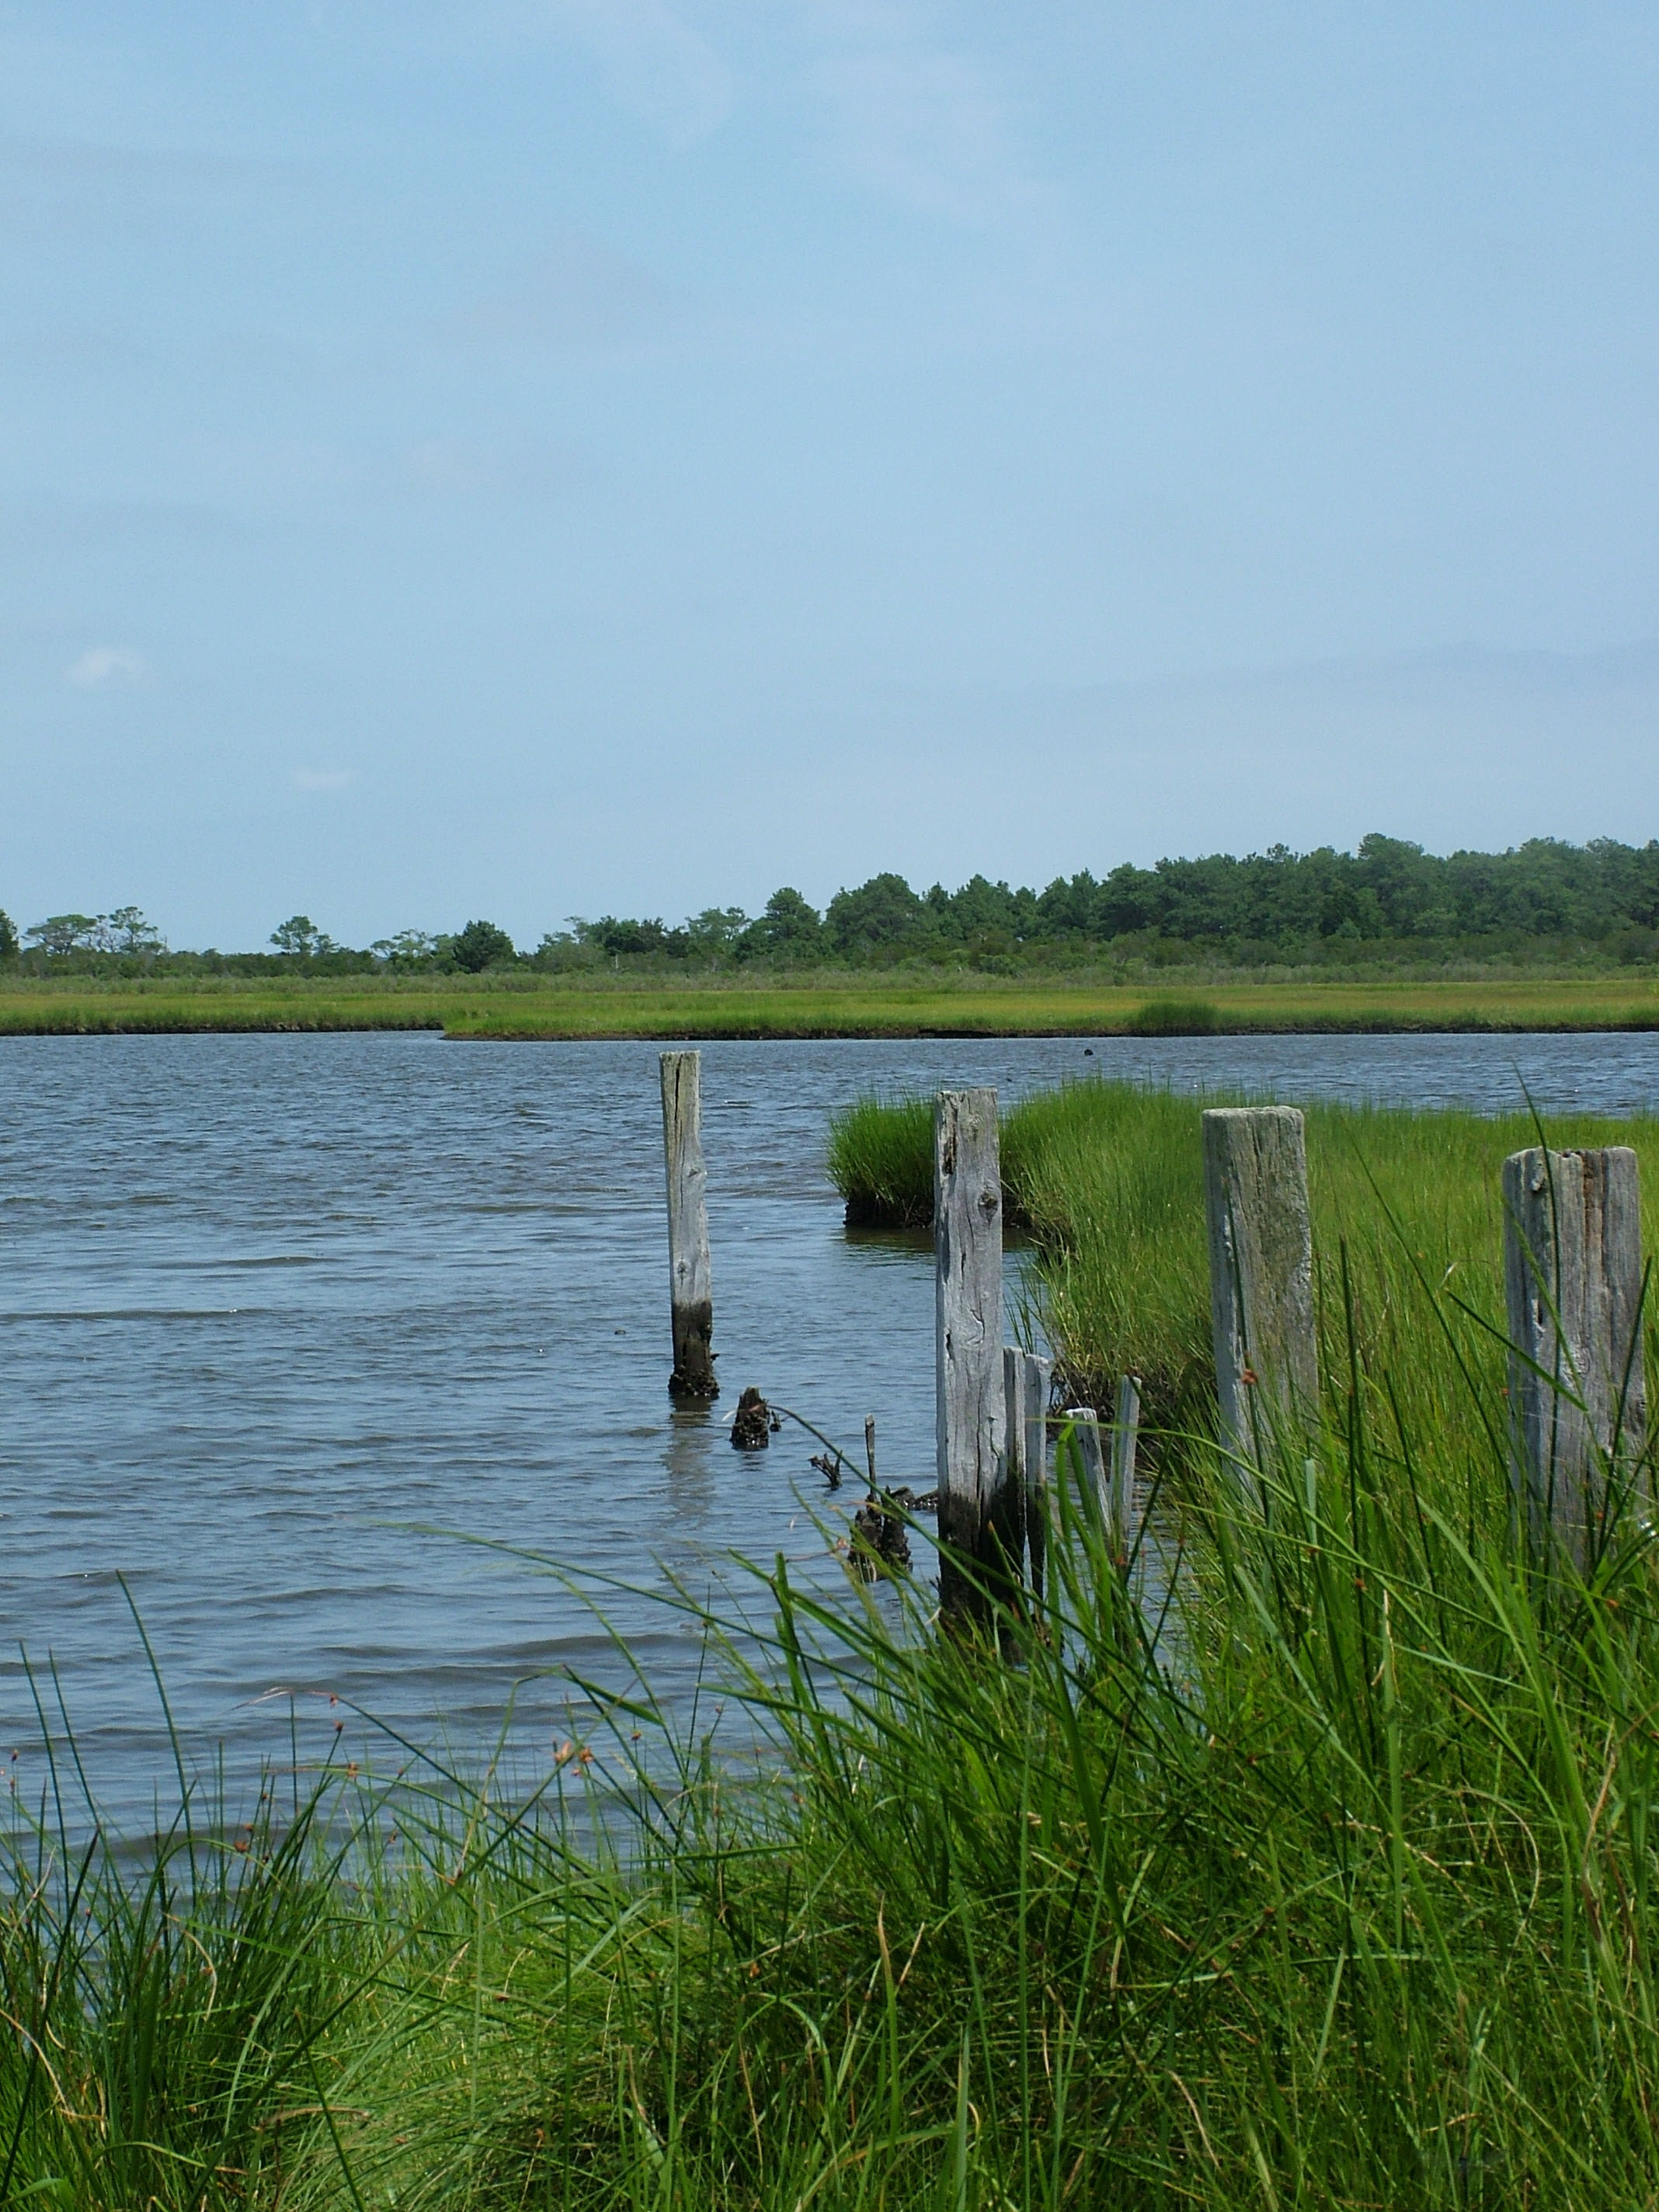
(813,1003)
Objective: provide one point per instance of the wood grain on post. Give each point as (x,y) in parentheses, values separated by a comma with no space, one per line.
(1034,1463)
(968,1342)
(690,1280)
(1572,1281)
(1013,1433)
(1126,1431)
(1262,1311)
(1096,1497)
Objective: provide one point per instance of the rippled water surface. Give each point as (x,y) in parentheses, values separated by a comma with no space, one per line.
(274,1309)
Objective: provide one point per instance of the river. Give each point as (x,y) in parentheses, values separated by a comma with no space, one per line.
(285,1320)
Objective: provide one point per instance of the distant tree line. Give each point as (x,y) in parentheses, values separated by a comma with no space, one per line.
(1387,899)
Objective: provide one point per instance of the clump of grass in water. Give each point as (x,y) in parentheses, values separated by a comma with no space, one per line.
(881,1160)
(1174,1016)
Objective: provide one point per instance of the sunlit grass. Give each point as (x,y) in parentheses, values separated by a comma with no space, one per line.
(812,1003)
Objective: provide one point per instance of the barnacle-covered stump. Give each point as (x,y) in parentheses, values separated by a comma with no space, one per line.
(751,1424)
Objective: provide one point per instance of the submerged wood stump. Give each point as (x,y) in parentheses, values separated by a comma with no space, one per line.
(1573,1282)
(878,1542)
(691,1283)
(753,1423)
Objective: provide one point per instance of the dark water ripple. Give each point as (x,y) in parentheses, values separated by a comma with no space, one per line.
(266,1303)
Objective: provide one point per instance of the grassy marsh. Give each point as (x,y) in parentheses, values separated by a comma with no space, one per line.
(812,1003)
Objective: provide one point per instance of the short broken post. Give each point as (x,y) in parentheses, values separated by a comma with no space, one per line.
(1262,1309)
(1089,1461)
(968,1345)
(691,1283)
(1572,1280)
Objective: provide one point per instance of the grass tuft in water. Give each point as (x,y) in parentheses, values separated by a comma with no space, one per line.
(1176,1016)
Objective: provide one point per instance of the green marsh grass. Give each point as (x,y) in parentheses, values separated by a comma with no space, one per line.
(1337,1889)
(1176,1016)
(818,1003)
(1108,1180)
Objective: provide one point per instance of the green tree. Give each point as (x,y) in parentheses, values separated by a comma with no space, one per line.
(787,927)
(481,945)
(65,932)
(984,915)
(616,936)
(884,915)
(8,936)
(410,948)
(127,931)
(300,936)
(718,930)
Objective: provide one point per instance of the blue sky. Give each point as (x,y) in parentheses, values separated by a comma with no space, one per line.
(532,458)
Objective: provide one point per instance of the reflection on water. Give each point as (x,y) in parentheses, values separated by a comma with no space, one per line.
(272,1309)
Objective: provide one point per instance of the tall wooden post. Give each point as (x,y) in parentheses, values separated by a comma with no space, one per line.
(1572,1280)
(968,1342)
(1255,1196)
(691,1283)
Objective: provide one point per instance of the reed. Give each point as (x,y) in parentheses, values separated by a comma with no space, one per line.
(1337,1885)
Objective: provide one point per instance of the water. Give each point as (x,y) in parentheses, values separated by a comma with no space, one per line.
(273,1311)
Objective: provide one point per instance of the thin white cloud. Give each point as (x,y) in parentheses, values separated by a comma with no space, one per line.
(102,665)
(660,68)
(920,125)
(320,779)
(582,294)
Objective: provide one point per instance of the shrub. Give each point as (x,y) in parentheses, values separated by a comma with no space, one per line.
(481,945)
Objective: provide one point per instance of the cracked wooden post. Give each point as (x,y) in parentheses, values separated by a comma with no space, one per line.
(691,1284)
(1572,1281)
(967,1347)
(1266,1353)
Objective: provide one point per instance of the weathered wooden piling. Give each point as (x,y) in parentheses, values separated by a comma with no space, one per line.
(1013,1417)
(1035,1375)
(1255,1196)
(1572,1279)
(690,1280)
(1126,1433)
(1095,1483)
(968,1340)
